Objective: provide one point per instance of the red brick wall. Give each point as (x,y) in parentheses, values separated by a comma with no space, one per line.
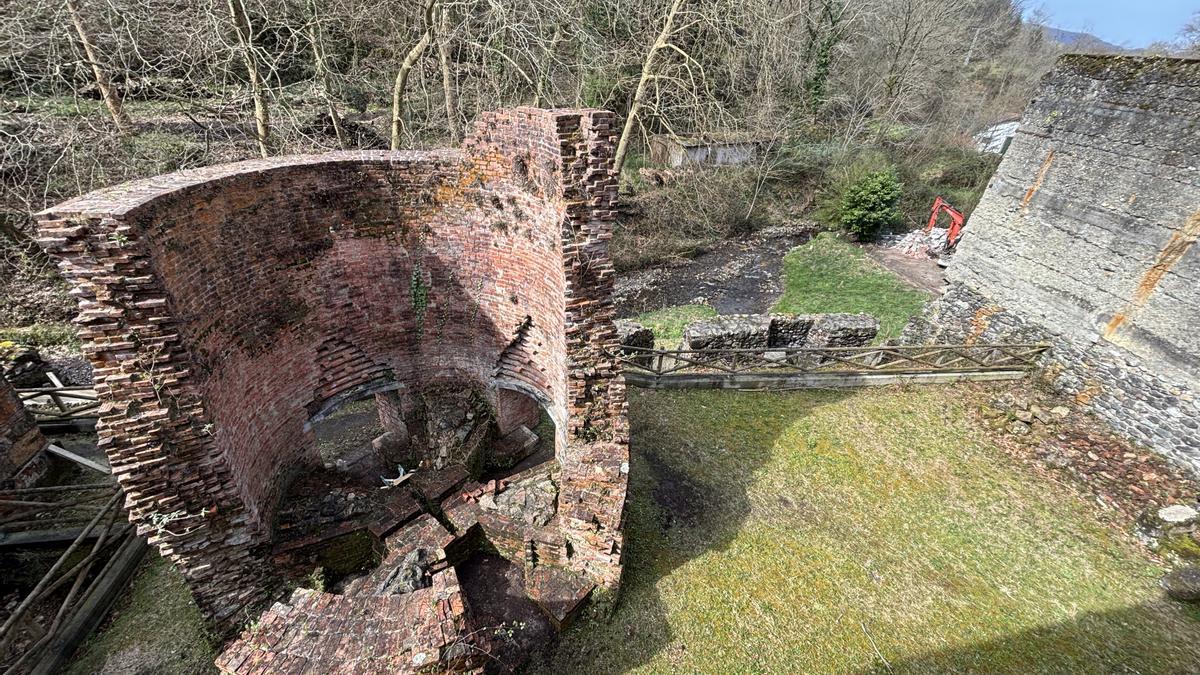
(20,439)
(223,307)
(514,409)
(390,407)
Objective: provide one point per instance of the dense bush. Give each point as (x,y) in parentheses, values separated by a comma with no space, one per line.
(802,162)
(871,204)
(852,167)
(957,174)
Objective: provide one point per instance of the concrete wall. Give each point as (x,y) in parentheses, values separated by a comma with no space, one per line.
(1085,238)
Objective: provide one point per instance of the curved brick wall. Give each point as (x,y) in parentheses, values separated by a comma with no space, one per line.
(297,283)
(223,307)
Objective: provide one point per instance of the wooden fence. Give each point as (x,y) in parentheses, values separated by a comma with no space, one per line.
(61,406)
(801,367)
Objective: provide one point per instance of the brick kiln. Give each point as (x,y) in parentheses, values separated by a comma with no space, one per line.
(227,309)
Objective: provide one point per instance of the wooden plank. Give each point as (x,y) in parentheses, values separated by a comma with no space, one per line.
(95,606)
(42,537)
(82,461)
(755,381)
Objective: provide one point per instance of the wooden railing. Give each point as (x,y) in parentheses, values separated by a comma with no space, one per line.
(54,406)
(825,366)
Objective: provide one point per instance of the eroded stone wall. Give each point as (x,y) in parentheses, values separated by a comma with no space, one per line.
(1085,238)
(222,308)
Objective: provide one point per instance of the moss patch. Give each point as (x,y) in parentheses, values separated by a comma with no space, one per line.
(828,274)
(40,335)
(668,323)
(155,627)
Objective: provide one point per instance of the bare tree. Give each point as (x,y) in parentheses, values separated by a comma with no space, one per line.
(111,100)
(1189,36)
(321,69)
(406,66)
(663,41)
(262,119)
(448,84)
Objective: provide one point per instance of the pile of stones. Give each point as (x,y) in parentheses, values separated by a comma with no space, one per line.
(1174,532)
(1021,415)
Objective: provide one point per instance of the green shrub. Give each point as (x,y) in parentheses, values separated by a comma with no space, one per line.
(847,171)
(870,204)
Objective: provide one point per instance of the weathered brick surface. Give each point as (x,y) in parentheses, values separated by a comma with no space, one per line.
(20,439)
(223,307)
(316,632)
(1085,238)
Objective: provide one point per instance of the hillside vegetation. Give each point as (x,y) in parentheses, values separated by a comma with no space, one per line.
(95,93)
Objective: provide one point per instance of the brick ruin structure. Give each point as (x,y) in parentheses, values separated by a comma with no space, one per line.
(1085,238)
(21,442)
(228,309)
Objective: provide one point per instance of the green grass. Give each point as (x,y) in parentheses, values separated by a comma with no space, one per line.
(40,335)
(830,275)
(827,531)
(155,627)
(668,323)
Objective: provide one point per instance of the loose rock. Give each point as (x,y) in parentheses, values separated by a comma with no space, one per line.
(1183,584)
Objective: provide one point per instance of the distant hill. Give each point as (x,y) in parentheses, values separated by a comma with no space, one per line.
(1078,40)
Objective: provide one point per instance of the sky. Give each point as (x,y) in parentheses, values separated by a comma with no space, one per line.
(1128,23)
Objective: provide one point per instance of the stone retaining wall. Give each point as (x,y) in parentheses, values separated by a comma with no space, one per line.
(777,331)
(1085,239)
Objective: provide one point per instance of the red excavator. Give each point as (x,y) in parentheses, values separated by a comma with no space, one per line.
(956,221)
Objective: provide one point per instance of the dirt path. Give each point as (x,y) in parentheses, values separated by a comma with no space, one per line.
(922,273)
(742,276)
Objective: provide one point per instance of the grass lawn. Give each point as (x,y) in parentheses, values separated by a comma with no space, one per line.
(874,530)
(668,323)
(830,275)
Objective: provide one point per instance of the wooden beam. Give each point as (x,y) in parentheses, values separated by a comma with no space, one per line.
(32,538)
(82,461)
(95,606)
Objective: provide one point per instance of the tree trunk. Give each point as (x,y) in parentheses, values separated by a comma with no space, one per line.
(631,120)
(322,73)
(406,66)
(544,70)
(447,77)
(262,119)
(120,119)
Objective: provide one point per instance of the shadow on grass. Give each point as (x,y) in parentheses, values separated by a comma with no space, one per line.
(694,456)
(1118,641)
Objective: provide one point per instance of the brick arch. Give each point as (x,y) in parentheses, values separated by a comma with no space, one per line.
(222,307)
